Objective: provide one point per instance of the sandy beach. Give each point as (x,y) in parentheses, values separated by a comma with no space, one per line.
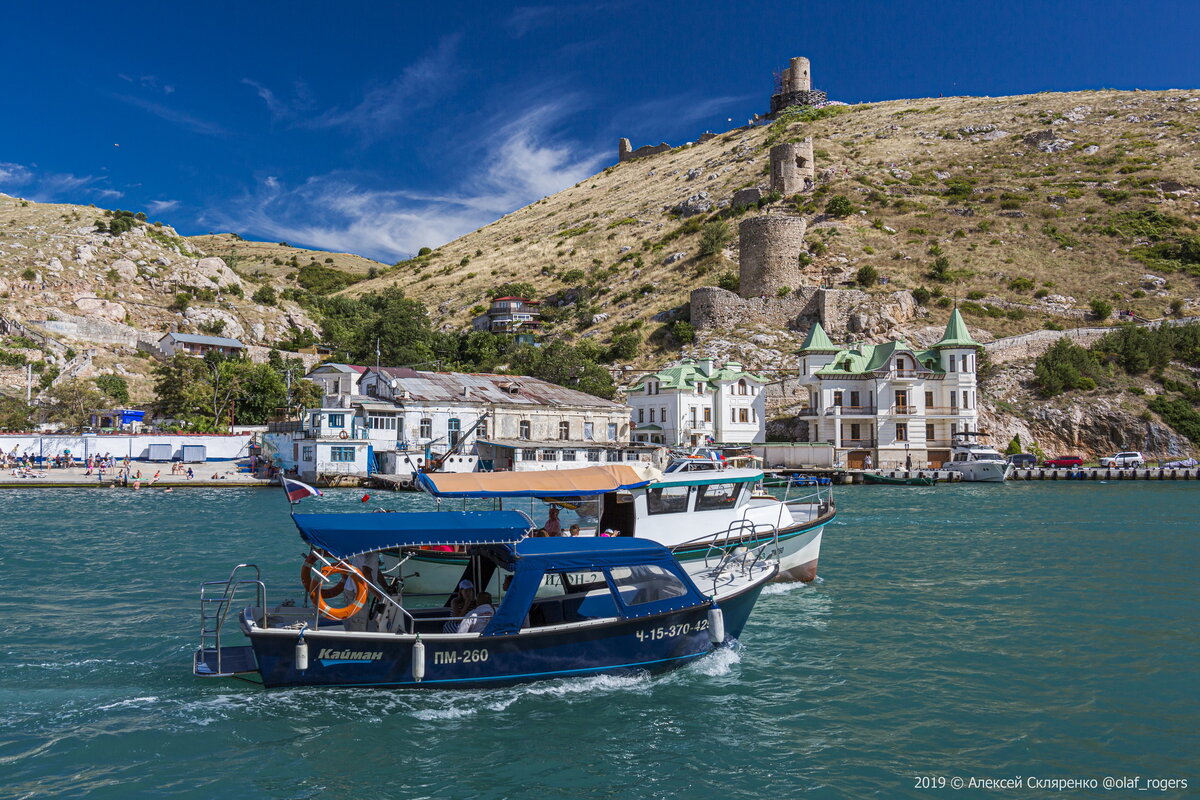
(223,475)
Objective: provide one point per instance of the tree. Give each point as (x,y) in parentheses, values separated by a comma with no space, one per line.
(264,296)
(114,386)
(574,366)
(1101,308)
(224,383)
(1064,367)
(261,389)
(1014,447)
(713,237)
(867,275)
(520,289)
(179,388)
(624,347)
(14,414)
(72,402)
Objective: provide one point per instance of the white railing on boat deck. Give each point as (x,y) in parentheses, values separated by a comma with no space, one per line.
(821,500)
(729,546)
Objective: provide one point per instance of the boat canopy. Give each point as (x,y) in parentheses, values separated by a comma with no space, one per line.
(345,535)
(582,482)
(643,563)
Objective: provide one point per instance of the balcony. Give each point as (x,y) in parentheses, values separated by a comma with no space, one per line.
(903,411)
(904,374)
(858,442)
(852,411)
(946,411)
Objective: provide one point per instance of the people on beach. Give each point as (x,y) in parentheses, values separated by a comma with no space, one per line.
(190,474)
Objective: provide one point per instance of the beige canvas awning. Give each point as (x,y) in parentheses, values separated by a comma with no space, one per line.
(539,483)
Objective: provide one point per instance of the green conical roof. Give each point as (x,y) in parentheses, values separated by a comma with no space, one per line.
(956,334)
(817,341)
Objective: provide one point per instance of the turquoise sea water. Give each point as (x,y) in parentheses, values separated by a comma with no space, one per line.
(1033,630)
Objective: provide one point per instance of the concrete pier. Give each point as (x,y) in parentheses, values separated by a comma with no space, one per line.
(1106,474)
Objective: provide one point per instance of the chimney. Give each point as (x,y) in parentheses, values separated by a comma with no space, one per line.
(706,366)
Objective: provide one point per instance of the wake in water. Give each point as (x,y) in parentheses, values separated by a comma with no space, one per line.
(787,588)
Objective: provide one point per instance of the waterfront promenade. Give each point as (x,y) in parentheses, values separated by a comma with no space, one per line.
(212,474)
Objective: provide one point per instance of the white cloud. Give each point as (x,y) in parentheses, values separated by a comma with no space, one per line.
(383,108)
(108,194)
(14,174)
(519,164)
(174,115)
(53,187)
(159,206)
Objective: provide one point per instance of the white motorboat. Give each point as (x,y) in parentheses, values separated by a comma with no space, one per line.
(685,510)
(976,461)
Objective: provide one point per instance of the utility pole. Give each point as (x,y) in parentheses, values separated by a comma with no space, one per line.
(376,353)
(28,384)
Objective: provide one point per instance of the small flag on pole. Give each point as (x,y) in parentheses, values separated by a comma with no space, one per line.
(297,491)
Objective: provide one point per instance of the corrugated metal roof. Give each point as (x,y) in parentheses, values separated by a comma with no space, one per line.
(216,341)
(485,387)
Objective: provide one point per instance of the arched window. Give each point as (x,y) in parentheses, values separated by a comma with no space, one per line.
(741,387)
(525,429)
(564,430)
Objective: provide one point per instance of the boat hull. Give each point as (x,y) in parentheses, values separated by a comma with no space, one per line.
(798,554)
(651,644)
(980,472)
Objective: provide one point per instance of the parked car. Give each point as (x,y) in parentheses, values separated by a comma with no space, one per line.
(1131,458)
(1064,461)
(1022,460)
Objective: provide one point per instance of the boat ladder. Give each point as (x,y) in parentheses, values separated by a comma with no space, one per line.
(212,660)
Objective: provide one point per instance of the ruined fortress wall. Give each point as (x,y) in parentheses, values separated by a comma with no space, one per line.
(716,308)
(792,168)
(770,248)
(797,77)
(795,87)
(625,151)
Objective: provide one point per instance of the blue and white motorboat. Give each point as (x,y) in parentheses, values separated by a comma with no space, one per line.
(623,605)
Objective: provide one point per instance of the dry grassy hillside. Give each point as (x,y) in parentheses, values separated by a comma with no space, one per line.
(1040,203)
(274,262)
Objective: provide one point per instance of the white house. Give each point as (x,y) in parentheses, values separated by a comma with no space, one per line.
(196,345)
(891,401)
(330,442)
(337,379)
(694,403)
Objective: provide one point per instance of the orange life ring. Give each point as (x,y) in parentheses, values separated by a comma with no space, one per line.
(309,581)
(343,435)
(360,593)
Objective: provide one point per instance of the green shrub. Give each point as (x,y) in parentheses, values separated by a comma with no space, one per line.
(728,280)
(839,206)
(866,276)
(424,251)
(713,237)
(1065,367)
(1020,284)
(264,296)
(975,294)
(1179,414)
(114,386)
(683,331)
(181,302)
(921,295)
(940,270)
(1101,308)
(29,274)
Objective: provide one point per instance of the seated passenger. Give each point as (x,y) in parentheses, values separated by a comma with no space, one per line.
(477,620)
(574,530)
(463,601)
(553,527)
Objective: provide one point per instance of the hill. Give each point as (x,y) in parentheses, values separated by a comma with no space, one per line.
(1039,204)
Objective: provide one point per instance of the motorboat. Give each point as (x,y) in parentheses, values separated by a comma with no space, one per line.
(685,510)
(976,461)
(899,480)
(624,605)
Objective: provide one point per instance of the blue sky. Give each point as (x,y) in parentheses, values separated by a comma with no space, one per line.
(380,127)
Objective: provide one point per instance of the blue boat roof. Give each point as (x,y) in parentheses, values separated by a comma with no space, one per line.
(344,535)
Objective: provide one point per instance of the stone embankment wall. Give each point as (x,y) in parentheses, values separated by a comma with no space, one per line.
(1032,345)
(843,312)
(99,331)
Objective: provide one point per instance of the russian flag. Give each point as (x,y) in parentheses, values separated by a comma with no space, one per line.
(297,491)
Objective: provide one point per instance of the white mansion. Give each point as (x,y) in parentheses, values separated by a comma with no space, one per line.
(890,401)
(693,403)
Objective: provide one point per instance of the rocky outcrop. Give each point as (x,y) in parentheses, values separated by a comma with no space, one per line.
(98,307)
(205,273)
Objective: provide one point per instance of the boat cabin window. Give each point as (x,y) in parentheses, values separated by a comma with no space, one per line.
(960,456)
(645,583)
(667,499)
(716,496)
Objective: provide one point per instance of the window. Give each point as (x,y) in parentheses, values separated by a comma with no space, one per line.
(593,455)
(901,364)
(953,428)
(901,400)
(716,496)
(306,453)
(901,431)
(692,415)
(708,415)
(587,432)
(953,363)
(854,399)
(667,500)
(929,400)
(549,455)
(929,432)
(641,415)
(341,454)
(612,431)
(524,428)
(426,428)
(855,430)
(663,411)
(645,583)
(652,415)
(613,455)
(481,429)
(453,428)
(568,455)
(564,430)
(741,387)
(965,404)
(837,397)
(528,454)
(631,455)
(743,415)
(964,365)
(337,420)
(733,415)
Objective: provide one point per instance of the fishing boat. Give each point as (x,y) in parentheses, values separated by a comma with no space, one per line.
(625,605)
(907,480)
(976,461)
(685,510)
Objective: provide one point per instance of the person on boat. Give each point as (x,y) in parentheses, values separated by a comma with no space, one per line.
(573,530)
(461,604)
(553,527)
(908,462)
(478,617)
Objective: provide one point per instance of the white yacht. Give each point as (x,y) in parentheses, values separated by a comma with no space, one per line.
(689,511)
(976,461)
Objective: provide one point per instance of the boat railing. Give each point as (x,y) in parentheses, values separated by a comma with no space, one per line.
(216,598)
(406,615)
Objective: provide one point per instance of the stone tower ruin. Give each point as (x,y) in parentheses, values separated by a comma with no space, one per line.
(792,168)
(795,87)
(771,247)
